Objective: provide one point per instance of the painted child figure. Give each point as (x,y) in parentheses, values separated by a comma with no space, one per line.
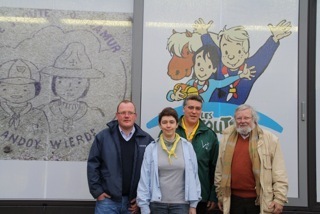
(23,128)
(234,55)
(206,61)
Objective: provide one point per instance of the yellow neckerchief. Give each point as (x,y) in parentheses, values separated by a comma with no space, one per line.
(173,149)
(191,135)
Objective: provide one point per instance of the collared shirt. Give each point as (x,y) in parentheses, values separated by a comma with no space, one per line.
(127,137)
(244,136)
(190,135)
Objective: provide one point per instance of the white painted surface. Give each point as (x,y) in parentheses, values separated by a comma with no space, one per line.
(274,93)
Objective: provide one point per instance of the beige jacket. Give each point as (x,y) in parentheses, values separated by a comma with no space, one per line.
(273,177)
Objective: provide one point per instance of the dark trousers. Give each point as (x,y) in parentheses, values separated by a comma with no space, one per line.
(202,209)
(243,205)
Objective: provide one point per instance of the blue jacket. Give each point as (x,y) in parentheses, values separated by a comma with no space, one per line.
(104,168)
(149,187)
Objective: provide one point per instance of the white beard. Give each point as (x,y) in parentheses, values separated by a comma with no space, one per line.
(245,130)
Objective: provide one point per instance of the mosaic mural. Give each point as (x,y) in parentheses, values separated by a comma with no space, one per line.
(62,74)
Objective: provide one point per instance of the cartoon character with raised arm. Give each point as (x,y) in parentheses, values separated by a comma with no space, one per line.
(234,49)
(205,60)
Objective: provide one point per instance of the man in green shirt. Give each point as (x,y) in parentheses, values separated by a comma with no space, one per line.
(206,147)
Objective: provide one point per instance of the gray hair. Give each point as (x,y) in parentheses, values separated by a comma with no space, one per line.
(192,97)
(243,107)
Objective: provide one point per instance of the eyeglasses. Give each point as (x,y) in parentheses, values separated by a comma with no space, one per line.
(197,108)
(243,118)
(123,113)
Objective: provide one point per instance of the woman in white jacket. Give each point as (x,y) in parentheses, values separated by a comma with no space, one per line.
(169,181)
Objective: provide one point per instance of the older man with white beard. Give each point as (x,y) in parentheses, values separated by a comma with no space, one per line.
(250,176)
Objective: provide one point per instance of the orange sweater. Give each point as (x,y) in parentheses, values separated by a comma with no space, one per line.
(242,178)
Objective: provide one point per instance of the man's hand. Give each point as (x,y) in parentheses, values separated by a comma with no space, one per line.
(201,27)
(281,30)
(103,196)
(133,206)
(277,208)
(220,205)
(211,205)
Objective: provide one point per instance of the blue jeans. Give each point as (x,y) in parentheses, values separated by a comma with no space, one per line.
(112,207)
(164,208)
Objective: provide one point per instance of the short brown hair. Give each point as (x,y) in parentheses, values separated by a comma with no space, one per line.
(126,101)
(168,111)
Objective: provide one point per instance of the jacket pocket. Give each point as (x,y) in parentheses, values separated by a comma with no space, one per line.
(266,177)
(267,199)
(266,172)
(267,162)
(141,150)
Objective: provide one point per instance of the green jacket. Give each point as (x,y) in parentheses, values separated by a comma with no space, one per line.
(206,146)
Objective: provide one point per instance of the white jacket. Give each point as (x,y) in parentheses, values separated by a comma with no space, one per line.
(149,187)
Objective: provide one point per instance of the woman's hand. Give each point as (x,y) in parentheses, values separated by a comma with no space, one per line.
(192,210)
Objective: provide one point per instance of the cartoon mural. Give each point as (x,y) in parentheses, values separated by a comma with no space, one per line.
(205,64)
(20,83)
(221,69)
(234,45)
(233,60)
(259,39)
(59,82)
(71,74)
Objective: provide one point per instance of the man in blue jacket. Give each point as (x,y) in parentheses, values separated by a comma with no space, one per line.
(114,162)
